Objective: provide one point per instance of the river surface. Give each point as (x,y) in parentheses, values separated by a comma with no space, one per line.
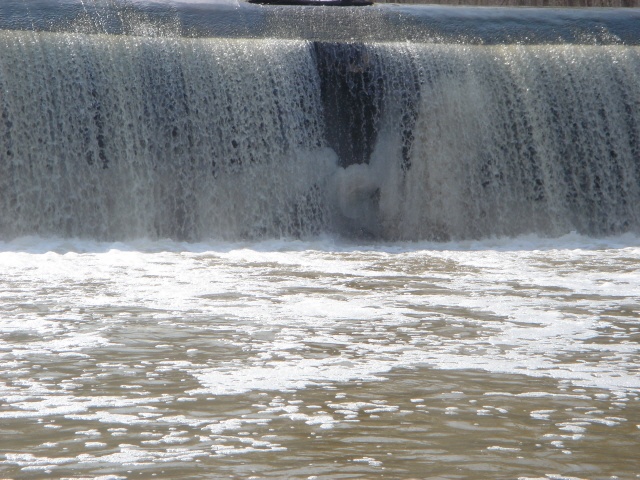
(503,358)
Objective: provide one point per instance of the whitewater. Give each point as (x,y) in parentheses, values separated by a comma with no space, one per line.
(294,358)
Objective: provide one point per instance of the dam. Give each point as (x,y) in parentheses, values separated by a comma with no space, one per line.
(387,241)
(388,129)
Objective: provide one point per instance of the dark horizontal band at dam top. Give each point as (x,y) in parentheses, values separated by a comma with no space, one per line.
(477,3)
(525,3)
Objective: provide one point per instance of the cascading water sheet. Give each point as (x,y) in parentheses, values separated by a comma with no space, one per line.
(124,137)
(516,139)
(114,137)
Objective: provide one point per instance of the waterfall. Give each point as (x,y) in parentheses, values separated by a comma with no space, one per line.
(123,136)
(519,139)
(117,136)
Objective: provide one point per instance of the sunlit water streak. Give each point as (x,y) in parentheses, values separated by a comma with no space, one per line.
(320,358)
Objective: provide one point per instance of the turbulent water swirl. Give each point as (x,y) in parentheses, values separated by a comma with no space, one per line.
(115,137)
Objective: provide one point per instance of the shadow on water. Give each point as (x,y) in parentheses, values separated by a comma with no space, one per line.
(323,244)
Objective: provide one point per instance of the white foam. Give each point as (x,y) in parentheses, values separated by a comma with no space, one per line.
(320,312)
(286,376)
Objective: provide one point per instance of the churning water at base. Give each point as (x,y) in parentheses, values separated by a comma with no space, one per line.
(513,358)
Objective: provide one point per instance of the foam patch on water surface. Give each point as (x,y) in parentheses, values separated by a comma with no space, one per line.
(283,376)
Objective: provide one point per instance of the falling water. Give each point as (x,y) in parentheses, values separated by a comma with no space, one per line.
(119,137)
